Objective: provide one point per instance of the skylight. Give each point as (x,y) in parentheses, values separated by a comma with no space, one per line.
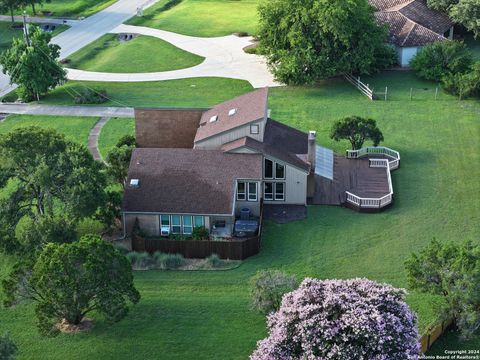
(232,112)
(213,118)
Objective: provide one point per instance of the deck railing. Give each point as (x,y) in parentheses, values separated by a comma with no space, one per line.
(391,163)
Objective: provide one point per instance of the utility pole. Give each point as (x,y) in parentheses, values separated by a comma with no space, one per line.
(25,28)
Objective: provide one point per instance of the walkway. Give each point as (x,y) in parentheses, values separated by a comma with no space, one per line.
(41,20)
(60,110)
(93,139)
(86,31)
(224,57)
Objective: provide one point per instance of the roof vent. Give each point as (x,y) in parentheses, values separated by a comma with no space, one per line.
(232,112)
(213,118)
(135,183)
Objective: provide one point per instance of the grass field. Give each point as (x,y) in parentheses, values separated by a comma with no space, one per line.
(202,17)
(113,130)
(192,315)
(7,34)
(74,128)
(108,54)
(71,8)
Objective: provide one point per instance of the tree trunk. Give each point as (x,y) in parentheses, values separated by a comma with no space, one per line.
(33,9)
(11,14)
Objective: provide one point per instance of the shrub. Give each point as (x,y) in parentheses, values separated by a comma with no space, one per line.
(7,348)
(122,249)
(464,85)
(89,96)
(200,233)
(168,261)
(440,59)
(268,288)
(341,320)
(214,260)
(140,260)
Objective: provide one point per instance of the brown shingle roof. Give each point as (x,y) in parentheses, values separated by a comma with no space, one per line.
(411,22)
(280,141)
(187,181)
(249,107)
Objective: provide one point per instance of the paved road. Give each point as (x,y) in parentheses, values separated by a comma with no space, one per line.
(86,31)
(224,57)
(59,110)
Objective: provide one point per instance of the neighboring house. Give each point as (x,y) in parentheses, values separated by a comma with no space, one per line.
(412,25)
(210,167)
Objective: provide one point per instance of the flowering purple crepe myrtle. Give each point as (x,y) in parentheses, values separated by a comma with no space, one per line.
(354,319)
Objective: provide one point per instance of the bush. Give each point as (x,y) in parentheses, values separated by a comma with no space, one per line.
(122,249)
(440,59)
(89,96)
(268,288)
(464,85)
(140,260)
(168,261)
(214,260)
(7,348)
(200,233)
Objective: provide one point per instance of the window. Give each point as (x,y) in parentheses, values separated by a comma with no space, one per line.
(254,129)
(164,225)
(198,221)
(241,191)
(252,191)
(187,225)
(268,191)
(279,191)
(268,171)
(279,171)
(176,224)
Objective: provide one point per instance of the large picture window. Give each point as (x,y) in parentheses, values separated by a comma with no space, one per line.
(279,171)
(279,191)
(187,225)
(252,191)
(268,171)
(241,191)
(268,191)
(198,221)
(176,224)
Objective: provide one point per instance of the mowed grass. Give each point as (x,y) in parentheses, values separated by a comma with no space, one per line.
(113,130)
(74,128)
(206,315)
(7,33)
(71,8)
(201,17)
(196,92)
(109,54)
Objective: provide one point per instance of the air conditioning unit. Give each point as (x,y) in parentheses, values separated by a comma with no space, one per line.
(165,231)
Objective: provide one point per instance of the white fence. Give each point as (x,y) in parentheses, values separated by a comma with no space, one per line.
(390,164)
(364,88)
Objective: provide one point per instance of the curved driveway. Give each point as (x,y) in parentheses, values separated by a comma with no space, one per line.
(224,57)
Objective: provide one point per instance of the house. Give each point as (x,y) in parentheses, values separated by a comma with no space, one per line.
(218,167)
(412,25)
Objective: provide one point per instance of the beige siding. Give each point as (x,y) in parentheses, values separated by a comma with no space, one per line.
(243,150)
(150,224)
(295,186)
(216,142)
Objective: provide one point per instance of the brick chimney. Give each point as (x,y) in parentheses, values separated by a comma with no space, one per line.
(312,154)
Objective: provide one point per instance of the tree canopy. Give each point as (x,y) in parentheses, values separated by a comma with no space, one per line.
(8,349)
(464,12)
(11,6)
(341,320)
(118,159)
(51,178)
(69,281)
(307,40)
(451,270)
(34,66)
(356,130)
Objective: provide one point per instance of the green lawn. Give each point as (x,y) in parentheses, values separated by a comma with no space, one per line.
(202,17)
(205,315)
(108,54)
(7,34)
(72,8)
(74,128)
(113,130)
(197,92)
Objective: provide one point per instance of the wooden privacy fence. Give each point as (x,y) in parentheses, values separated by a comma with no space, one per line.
(427,340)
(235,249)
